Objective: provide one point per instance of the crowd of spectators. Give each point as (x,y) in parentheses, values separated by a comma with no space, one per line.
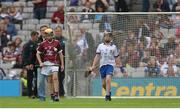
(125,5)
(11,15)
(13,45)
(10,43)
(119,6)
(144,46)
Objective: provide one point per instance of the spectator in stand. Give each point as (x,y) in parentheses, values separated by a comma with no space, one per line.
(176,6)
(133,58)
(16,15)
(87,8)
(101,5)
(18,52)
(40,8)
(9,55)
(161,6)
(131,39)
(152,68)
(146,6)
(145,58)
(169,68)
(171,45)
(176,18)
(90,42)
(73,52)
(3,36)
(177,54)
(171,3)
(159,34)
(11,29)
(72,18)
(143,31)
(123,55)
(154,50)
(18,42)
(82,43)
(74,2)
(123,58)
(83,2)
(136,5)
(155,40)
(58,16)
(172,68)
(141,49)
(105,24)
(4,12)
(121,6)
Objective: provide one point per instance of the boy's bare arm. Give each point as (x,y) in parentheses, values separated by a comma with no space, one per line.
(95,62)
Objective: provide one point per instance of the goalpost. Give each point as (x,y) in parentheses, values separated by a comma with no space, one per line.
(135,34)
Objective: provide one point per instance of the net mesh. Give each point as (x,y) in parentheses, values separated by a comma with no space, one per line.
(146,42)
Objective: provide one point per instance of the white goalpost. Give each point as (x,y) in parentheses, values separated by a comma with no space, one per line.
(139,37)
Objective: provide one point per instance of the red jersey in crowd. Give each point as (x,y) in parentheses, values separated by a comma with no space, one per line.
(42,4)
(59,15)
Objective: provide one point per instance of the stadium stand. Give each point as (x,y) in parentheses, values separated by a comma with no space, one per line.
(119,26)
(29,23)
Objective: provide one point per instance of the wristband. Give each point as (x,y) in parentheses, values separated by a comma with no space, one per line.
(122,69)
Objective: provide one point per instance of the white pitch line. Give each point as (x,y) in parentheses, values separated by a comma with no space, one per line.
(129,97)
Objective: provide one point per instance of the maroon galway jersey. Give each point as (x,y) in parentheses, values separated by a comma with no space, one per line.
(50,50)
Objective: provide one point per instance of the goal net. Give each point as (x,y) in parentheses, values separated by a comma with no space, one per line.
(149,46)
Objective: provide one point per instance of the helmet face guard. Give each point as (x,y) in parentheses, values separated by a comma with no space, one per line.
(49,32)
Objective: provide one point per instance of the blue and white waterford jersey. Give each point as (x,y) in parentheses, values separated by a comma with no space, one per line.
(107,53)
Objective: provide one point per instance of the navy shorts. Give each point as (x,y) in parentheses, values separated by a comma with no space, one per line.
(106,70)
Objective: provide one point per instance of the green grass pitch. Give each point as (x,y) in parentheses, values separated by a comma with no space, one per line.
(25,102)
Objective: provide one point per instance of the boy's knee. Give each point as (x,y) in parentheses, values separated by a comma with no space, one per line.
(55,76)
(108,80)
(55,79)
(50,81)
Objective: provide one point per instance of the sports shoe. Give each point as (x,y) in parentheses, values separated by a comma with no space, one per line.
(33,97)
(108,98)
(52,97)
(42,98)
(56,98)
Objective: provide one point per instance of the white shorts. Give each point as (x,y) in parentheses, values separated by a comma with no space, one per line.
(49,69)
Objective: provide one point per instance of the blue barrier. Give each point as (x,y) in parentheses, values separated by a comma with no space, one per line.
(10,88)
(139,87)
